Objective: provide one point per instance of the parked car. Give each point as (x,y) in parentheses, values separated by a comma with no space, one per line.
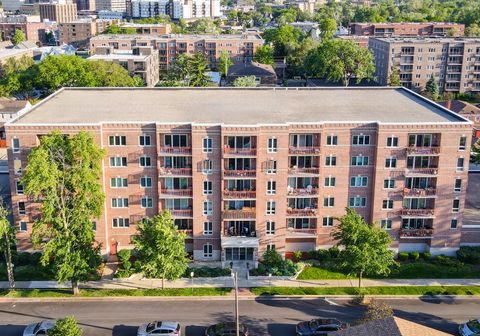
(471,328)
(166,328)
(319,327)
(39,329)
(226,329)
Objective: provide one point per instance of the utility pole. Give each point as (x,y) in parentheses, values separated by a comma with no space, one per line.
(237,318)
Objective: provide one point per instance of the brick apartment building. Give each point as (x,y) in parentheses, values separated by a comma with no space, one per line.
(141,62)
(390,29)
(455,62)
(34,31)
(243,170)
(150,29)
(240,47)
(58,12)
(79,32)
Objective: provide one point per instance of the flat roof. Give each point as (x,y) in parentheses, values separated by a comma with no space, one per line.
(119,56)
(413,39)
(236,106)
(247,37)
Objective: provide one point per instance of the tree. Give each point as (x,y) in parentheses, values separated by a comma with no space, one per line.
(7,239)
(18,37)
(340,59)
(264,55)
(476,152)
(328,27)
(365,246)
(246,81)
(198,67)
(431,88)
(376,310)
(65,327)
(472,30)
(394,78)
(161,248)
(63,174)
(224,63)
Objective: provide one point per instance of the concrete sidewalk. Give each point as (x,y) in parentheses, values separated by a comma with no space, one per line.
(137,282)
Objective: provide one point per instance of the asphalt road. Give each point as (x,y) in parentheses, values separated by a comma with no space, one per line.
(264,317)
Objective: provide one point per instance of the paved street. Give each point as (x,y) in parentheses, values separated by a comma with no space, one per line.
(265,317)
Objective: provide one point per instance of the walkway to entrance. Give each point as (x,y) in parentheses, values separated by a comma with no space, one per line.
(241,268)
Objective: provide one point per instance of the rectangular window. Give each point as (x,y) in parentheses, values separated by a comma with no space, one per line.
(453,223)
(387,204)
(19,187)
(358,181)
(208,228)
(460,164)
(15,145)
(270,225)
(391,162)
(272,145)
(94,226)
(270,247)
(23,226)
(458,185)
(357,202)
(121,223)
(207,208)
(360,160)
(147,202)
(330,181)
(21,208)
(330,160)
(271,167)
(392,141)
(208,250)
(327,221)
(175,140)
(207,145)
(207,166)
(17,167)
(118,161)
(456,205)
(119,202)
(207,187)
(463,143)
(271,187)
(389,183)
(117,140)
(329,201)
(146,182)
(271,205)
(361,140)
(144,140)
(145,161)
(118,182)
(386,224)
(332,140)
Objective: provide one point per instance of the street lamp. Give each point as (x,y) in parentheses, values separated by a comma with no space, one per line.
(191,277)
(270,282)
(237,319)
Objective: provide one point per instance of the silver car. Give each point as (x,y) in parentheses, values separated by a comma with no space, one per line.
(39,329)
(165,328)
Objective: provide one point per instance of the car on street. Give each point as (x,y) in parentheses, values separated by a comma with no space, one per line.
(165,328)
(226,329)
(319,327)
(471,328)
(39,329)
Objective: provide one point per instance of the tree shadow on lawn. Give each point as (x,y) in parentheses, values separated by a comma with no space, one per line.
(11,329)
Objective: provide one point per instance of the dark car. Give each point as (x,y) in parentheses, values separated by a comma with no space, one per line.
(226,329)
(319,327)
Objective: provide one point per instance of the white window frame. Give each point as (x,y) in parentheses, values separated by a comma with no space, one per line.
(207,208)
(119,202)
(389,160)
(20,223)
(118,159)
(271,167)
(271,207)
(122,222)
(143,138)
(359,161)
(24,211)
(146,159)
(146,179)
(207,228)
(455,189)
(146,202)
(464,139)
(15,149)
(270,228)
(21,190)
(393,142)
(271,247)
(330,160)
(19,170)
(271,187)
(122,140)
(332,140)
(207,145)
(362,202)
(207,187)
(460,168)
(327,221)
(389,204)
(272,145)
(118,185)
(330,201)
(456,223)
(388,186)
(386,224)
(361,140)
(207,251)
(207,166)
(456,209)
(358,184)
(330,181)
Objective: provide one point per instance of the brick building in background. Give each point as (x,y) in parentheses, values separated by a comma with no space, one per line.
(455,62)
(244,170)
(58,12)
(34,31)
(392,29)
(79,32)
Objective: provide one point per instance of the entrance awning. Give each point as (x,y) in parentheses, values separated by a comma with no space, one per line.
(240,242)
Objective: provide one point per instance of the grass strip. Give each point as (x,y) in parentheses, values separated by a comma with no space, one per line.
(381,290)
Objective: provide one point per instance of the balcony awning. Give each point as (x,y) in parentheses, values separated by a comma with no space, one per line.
(240,242)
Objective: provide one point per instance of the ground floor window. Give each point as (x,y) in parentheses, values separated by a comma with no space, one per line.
(239,253)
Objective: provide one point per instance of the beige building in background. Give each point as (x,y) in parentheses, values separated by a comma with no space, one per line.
(79,32)
(413,29)
(58,12)
(245,170)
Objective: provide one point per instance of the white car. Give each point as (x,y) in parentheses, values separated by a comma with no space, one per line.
(165,328)
(471,328)
(39,329)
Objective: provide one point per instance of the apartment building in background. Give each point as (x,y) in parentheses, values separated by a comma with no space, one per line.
(455,62)
(34,31)
(392,29)
(79,32)
(118,6)
(141,62)
(246,170)
(150,29)
(241,48)
(58,11)
(176,9)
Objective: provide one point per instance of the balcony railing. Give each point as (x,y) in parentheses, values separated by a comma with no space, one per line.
(301,212)
(416,192)
(302,191)
(422,171)
(177,192)
(188,232)
(234,194)
(305,150)
(182,213)
(300,232)
(176,150)
(245,232)
(416,233)
(240,151)
(296,170)
(239,214)
(417,212)
(239,173)
(175,171)
(434,150)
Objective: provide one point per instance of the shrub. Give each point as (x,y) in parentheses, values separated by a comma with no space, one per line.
(334,252)
(469,254)
(23,258)
(312,254)
(323,255)
(298,255)
(35,258)
(124,257)
(66,327)
(123,273)
(447,261)
(426,255)
(207,272)
(272,258)
(414,256)
(403,256)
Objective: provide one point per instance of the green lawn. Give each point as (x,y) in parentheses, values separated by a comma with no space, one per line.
(400,290)
(317,273)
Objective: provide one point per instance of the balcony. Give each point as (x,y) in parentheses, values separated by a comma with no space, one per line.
(306,212)
(176,150)
(181,212)
(301,233)
(187,232)
(234,194)
(303,171)
(422,171)
(302,191)
(248,232)
(239,173)
(240,151)
(416,233)
(177,192)
(419,192)
(417,212)
(249,213)
(175,171)
(305,150)
(434,150)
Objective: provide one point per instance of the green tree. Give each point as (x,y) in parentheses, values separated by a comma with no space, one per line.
(365,246)
(431,88)
(63,174)
(394,78)
(376,310)
(18,37)
(476,152)
(473,30)
(264,55)
(224,63)
(340,59)
(65,327)
(198,67)
(246,81)
(161,248)
(111,75)
(328,27)
(7,239)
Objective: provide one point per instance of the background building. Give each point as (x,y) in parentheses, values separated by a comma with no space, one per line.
(118,6)
(34,31)
(176,9)
(387,29)
(58,11)
(79,32)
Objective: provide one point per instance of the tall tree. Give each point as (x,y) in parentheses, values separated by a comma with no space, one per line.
(431,88)
(63,175)
(394,78)
(224,63)
(18,37)
(246,81)
(264,55)
(161,248)
(340,60)
(365,247)
(65,327)
(476,152)
(7,239)
(328,27)
(198,65)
